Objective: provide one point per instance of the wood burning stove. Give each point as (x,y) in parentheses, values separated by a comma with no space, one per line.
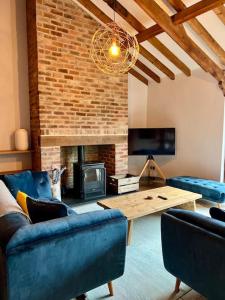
(89,178)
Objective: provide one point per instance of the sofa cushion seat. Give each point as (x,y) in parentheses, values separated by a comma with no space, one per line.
(210,189)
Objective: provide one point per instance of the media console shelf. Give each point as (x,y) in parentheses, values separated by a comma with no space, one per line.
(12,152)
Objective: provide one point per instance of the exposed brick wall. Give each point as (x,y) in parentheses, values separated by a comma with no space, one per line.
(69,95)
(121,158)
(50,158)
(75,97)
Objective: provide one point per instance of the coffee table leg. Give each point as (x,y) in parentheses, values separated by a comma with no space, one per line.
(188,206)
(130,226)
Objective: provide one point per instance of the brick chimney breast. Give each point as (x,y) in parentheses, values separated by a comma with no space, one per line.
(69,96)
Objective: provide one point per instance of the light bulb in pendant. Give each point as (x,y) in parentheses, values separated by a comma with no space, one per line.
(114,50)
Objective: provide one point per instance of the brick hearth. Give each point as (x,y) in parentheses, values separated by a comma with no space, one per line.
(70,99)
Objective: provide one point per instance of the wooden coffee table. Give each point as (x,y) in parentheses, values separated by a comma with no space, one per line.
(135,205)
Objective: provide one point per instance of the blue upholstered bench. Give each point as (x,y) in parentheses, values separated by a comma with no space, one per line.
(210,189)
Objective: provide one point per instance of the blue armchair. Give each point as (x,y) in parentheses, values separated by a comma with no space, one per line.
(193,248)
(63,258)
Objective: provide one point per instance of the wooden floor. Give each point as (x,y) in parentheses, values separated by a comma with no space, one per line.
(145,277)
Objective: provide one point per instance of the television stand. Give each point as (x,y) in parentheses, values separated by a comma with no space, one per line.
(150,161)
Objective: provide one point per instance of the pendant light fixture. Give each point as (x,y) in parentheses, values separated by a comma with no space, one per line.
(113,50)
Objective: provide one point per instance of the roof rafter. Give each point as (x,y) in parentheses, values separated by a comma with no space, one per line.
(138,76)
(92,8)
(195,10)
(157,63)
(147,71)
(138,26)
(220,12)
(178,5)
(183,16)
(178,34)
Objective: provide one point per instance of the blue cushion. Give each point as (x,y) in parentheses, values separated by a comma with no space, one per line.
(21,182)
(42,184)
(210,189)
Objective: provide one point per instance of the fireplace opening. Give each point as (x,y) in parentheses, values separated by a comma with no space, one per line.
(89,177)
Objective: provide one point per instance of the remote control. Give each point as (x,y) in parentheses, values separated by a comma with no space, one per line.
(148,198)
(163,198)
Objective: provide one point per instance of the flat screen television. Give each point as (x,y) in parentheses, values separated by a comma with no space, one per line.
(151,141)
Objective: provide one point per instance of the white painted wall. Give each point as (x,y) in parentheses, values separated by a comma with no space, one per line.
(195,107)
(14,95)
(137,116)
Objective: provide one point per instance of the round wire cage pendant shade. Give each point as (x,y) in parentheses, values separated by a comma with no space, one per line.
(113,50)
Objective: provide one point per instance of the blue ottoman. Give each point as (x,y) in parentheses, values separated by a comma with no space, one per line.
(210,189)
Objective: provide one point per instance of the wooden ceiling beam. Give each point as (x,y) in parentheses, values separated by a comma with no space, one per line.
(178,34)
(138,26)
(147,71)
(157,63)
(138,76)
(178,5)
(220,12)
(149,33)
(93,9)
(183,16)
(195,10)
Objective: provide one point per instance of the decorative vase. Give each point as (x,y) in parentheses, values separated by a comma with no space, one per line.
(56,190)
(21,140)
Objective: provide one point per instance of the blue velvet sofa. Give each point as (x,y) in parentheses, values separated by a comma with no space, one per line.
(193,251)
(62,258)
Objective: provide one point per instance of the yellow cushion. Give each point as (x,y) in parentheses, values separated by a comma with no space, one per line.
(21,199)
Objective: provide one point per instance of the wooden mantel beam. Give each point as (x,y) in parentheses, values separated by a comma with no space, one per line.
(178,34)
(179,5)
(138,26)
(105,19)
(183,16)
